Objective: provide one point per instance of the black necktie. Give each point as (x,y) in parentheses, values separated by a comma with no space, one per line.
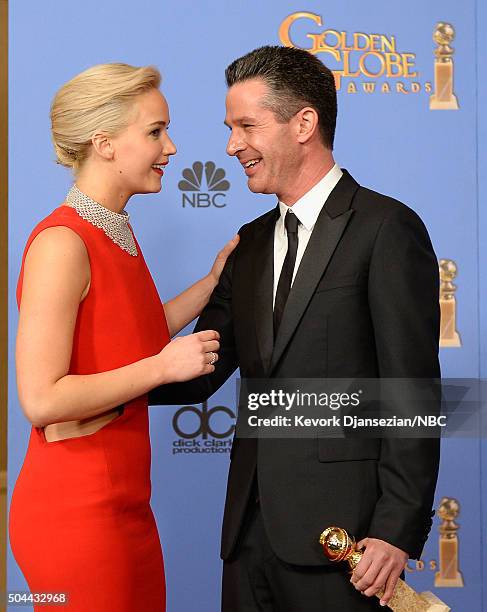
(284,286)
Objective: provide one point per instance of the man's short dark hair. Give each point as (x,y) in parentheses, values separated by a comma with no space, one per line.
(295,79)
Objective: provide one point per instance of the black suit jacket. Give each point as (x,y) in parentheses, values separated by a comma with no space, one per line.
(364,303)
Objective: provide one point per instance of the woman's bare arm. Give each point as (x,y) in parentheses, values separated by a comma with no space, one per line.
(56,279)
(188,305)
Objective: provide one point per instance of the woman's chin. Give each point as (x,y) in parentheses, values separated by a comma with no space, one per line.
(154,189)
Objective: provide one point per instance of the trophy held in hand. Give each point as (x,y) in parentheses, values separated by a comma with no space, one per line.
(338,545)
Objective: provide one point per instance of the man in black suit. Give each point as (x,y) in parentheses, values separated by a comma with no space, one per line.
(337,281)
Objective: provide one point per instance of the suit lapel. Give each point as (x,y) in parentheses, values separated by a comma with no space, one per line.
(328,230)
(263,272)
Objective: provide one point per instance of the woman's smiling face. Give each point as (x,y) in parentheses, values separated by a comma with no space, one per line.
(143,148)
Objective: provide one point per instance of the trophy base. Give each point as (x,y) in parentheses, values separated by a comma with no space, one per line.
(405,599)
(452,342)
(451,104)
(456,581)
(435,604)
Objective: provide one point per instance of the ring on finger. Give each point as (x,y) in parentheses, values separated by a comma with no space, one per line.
(213,357)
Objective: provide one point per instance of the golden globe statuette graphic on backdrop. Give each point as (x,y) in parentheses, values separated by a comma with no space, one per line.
(448,574)
(449,336)
(338,545)
(443,97)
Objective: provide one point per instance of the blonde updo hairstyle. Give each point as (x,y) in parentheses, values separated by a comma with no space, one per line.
(99,99)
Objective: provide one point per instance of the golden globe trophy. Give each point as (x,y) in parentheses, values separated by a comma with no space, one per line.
(448,575)
(448,305)
(338,545)
(443,98)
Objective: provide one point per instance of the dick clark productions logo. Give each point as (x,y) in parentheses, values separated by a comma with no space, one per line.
(203,430)
(216,184)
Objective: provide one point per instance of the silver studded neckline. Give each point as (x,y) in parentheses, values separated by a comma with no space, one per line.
(114,225)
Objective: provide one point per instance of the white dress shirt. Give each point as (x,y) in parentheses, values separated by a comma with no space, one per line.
(306,209)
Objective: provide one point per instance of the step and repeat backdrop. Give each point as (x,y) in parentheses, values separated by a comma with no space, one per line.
(410,125)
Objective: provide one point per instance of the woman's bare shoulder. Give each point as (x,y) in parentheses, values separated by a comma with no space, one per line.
(56,240)
(57,255)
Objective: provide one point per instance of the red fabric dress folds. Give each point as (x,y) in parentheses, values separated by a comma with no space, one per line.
(80,518)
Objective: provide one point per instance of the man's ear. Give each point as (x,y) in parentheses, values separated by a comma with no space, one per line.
(103,146)
(306,123)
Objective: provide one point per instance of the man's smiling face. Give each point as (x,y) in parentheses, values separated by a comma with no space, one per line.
(266,148)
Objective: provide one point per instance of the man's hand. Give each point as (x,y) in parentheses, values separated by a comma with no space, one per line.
(380,567)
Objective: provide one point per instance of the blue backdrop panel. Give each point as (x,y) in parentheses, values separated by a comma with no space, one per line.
(389,140)
(482,241)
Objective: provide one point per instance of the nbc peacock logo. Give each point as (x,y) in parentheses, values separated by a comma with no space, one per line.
(216,185)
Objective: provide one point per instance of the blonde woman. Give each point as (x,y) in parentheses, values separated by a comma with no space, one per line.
(93,339)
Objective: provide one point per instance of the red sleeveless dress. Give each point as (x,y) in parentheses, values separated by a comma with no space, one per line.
(80,518)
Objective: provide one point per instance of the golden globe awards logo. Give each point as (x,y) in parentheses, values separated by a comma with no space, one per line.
(370,63)
(192,182)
